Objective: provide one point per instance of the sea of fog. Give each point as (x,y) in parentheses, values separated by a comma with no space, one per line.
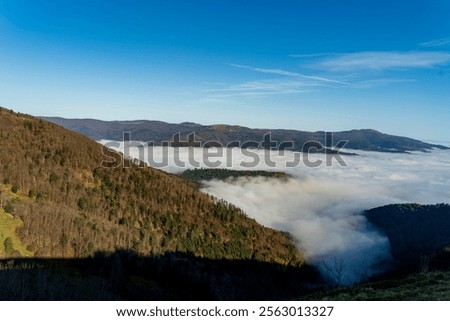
(322,202)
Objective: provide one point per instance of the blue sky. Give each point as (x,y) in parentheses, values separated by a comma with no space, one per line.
(308,65)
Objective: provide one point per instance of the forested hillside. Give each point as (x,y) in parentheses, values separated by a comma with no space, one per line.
(419,234)
(64,204)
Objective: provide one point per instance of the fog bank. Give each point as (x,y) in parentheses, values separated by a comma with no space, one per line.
(321,206)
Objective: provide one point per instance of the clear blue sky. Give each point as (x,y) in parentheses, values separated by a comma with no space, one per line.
(311,65)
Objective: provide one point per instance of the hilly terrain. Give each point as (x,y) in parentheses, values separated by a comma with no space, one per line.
(419,237)
(227,135)
(77,225)
(56,201)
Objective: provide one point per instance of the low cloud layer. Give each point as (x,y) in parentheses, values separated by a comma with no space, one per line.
(321,207)
(323,215)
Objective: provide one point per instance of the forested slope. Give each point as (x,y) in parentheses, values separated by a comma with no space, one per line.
(67,205)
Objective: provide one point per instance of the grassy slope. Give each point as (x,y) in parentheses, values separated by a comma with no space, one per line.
(8,226)
(431,286)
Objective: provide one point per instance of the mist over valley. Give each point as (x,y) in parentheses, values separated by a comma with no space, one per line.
(322,206)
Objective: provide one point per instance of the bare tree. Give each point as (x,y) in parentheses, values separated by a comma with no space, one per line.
(335,270)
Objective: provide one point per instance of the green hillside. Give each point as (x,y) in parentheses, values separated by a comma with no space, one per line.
(10,243)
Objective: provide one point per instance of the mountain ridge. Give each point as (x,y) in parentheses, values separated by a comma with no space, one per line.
(235,135)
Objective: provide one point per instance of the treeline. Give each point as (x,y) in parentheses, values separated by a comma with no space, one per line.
(206,174)
(73,207)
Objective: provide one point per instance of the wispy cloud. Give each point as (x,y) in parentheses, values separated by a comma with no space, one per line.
(347,70)
(370,83)
(314,55)
(264,88)
(283,82)
(443,42)
(383,60)
(282,72)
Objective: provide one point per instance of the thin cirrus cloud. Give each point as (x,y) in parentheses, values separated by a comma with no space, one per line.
(383,60)
(370,83)
(443,42)
(282,82)
(282,72)
(263,88)
(349,70)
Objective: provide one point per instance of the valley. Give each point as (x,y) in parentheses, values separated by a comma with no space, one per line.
(136,232)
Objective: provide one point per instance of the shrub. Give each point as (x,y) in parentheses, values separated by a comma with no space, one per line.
(53,178)
(82,203)
(8,207)
(31,193)
(15,188)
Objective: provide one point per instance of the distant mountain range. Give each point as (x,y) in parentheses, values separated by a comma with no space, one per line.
(232,136)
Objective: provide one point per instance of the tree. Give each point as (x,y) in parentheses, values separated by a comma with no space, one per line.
(9,247)
(63,241)
(335,270)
